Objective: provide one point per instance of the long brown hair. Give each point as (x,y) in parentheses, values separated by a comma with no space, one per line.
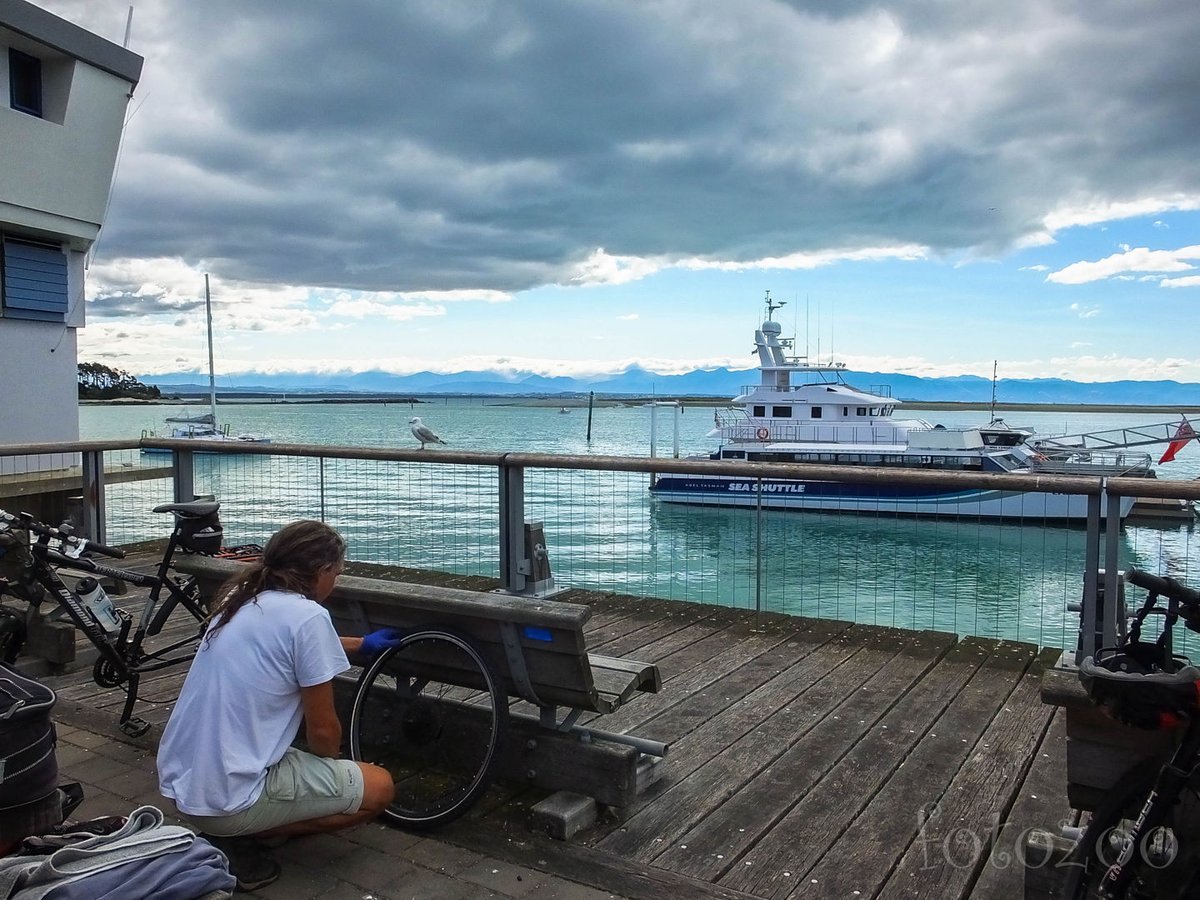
(290,562)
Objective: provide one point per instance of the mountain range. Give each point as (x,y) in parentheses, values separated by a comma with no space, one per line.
(635,381)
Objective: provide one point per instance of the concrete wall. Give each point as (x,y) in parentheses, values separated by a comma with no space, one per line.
(57,170)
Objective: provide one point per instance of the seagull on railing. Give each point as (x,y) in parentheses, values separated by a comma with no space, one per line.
(423,433)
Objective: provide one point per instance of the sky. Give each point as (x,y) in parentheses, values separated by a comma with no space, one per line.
(579,186)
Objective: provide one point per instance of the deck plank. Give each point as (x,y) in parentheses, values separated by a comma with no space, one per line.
(774,787)
(830,673)
(945,858)
(885,826)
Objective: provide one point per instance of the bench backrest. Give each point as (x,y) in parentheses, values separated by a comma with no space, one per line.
(536,647)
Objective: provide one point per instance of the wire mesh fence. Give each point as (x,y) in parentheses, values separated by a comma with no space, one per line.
(604,531)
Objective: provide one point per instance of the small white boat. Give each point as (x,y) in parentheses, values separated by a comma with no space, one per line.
(806,412)
(563,409)
(204,427)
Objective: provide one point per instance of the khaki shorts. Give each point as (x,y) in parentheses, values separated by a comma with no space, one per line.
(299,787)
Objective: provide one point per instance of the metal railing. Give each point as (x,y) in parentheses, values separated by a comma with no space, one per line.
(466,513)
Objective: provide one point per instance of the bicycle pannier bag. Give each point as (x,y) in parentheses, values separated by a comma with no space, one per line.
(28,767)
(14,552)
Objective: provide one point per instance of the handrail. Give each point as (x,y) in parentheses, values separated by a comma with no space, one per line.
(1064,484)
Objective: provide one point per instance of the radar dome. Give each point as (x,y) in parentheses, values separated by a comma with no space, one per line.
(770,327)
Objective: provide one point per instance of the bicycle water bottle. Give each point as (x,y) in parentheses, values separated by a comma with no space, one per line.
(97,603)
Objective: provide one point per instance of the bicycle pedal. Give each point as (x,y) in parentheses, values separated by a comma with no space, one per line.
(135,726)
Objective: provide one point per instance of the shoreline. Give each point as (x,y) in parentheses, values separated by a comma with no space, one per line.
(576,402)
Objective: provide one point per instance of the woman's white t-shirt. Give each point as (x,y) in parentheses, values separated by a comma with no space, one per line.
(240,706)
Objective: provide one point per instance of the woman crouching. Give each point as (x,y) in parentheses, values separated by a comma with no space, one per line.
(268,661)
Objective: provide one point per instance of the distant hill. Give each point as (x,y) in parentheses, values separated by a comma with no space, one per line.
(636,381)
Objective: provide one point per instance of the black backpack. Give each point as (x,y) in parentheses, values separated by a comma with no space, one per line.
(28,766)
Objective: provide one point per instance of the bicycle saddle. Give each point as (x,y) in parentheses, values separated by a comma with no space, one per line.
(197,509)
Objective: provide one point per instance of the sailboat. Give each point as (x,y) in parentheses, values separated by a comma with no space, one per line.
(204,427)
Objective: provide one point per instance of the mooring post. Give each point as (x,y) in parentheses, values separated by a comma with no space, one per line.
(185,476)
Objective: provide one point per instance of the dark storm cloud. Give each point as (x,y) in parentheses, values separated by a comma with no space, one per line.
(455,145)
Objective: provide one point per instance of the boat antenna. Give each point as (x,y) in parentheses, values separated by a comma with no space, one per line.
(773,305)
(212,376)
(994,362)
(806,325)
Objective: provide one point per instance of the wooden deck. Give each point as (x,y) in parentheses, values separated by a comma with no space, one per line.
(808,758)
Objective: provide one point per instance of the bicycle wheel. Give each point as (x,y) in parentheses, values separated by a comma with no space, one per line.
(1166,864)
(432,713)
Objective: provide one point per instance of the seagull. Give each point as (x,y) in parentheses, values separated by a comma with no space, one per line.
(423,434)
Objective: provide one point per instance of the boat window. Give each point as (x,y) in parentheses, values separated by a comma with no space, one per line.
(781,412)
(845,410)
(874,410)
(25,82)
(816,412)
(860,411)
(760,411)
(733,454)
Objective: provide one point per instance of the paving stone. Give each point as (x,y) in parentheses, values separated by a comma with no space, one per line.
(345,891)
(422,884)
(371,869)
(133,783)
(297,882)
(88,739)
(98,769)
(441,857)
(503,878)
(382,837)
(316,850)
(560,889)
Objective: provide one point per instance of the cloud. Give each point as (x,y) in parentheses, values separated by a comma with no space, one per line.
(632,317)
(1085,312)
(1186,281)
(1038,268)
(452,146)
(1140,259)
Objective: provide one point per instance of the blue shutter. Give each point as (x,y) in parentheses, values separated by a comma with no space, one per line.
(35,282)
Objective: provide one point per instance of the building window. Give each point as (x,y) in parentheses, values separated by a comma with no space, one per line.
(35,281)
(816,412)
(25,82)
(781,412)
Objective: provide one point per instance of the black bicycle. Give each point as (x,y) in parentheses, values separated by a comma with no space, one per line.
(1143,841)
(33,554)
(432,713)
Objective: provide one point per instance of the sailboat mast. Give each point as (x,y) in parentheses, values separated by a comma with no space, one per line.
(212,377)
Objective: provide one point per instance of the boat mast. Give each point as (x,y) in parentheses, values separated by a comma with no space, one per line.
(212,377)
(994,364)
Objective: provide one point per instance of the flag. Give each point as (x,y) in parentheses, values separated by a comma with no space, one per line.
(1183,434)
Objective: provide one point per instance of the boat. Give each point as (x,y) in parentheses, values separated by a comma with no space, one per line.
(563,410)
(806,412)
(204,427)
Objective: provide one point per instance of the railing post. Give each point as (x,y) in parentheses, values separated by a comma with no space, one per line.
(93,523)
(512,528)
(758,555)
(185,476)
(1089,614)
(1113,607)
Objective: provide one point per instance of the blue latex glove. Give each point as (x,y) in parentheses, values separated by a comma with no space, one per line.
(377,641)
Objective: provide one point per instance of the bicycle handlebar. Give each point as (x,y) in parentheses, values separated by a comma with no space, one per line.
(26,521)
(1167,587)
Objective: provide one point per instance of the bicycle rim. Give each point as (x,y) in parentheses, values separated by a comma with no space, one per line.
(439,739)
(1164,867)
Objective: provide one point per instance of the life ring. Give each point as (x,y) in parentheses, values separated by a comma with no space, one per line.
(762,434)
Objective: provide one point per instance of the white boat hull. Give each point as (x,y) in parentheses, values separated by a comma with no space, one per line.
(734,490)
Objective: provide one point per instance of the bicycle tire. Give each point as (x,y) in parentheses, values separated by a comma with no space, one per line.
(440,740)
(12,638)
(1091,857)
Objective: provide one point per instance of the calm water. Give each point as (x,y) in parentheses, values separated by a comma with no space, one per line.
(603,531)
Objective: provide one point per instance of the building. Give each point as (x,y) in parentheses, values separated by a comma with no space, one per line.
(63,97)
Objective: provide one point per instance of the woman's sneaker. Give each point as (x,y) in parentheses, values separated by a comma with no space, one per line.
(247,863)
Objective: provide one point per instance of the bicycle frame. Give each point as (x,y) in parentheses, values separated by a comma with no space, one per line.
(1168,784)
(122,657)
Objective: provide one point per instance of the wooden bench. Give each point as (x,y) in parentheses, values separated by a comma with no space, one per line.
(537,648)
